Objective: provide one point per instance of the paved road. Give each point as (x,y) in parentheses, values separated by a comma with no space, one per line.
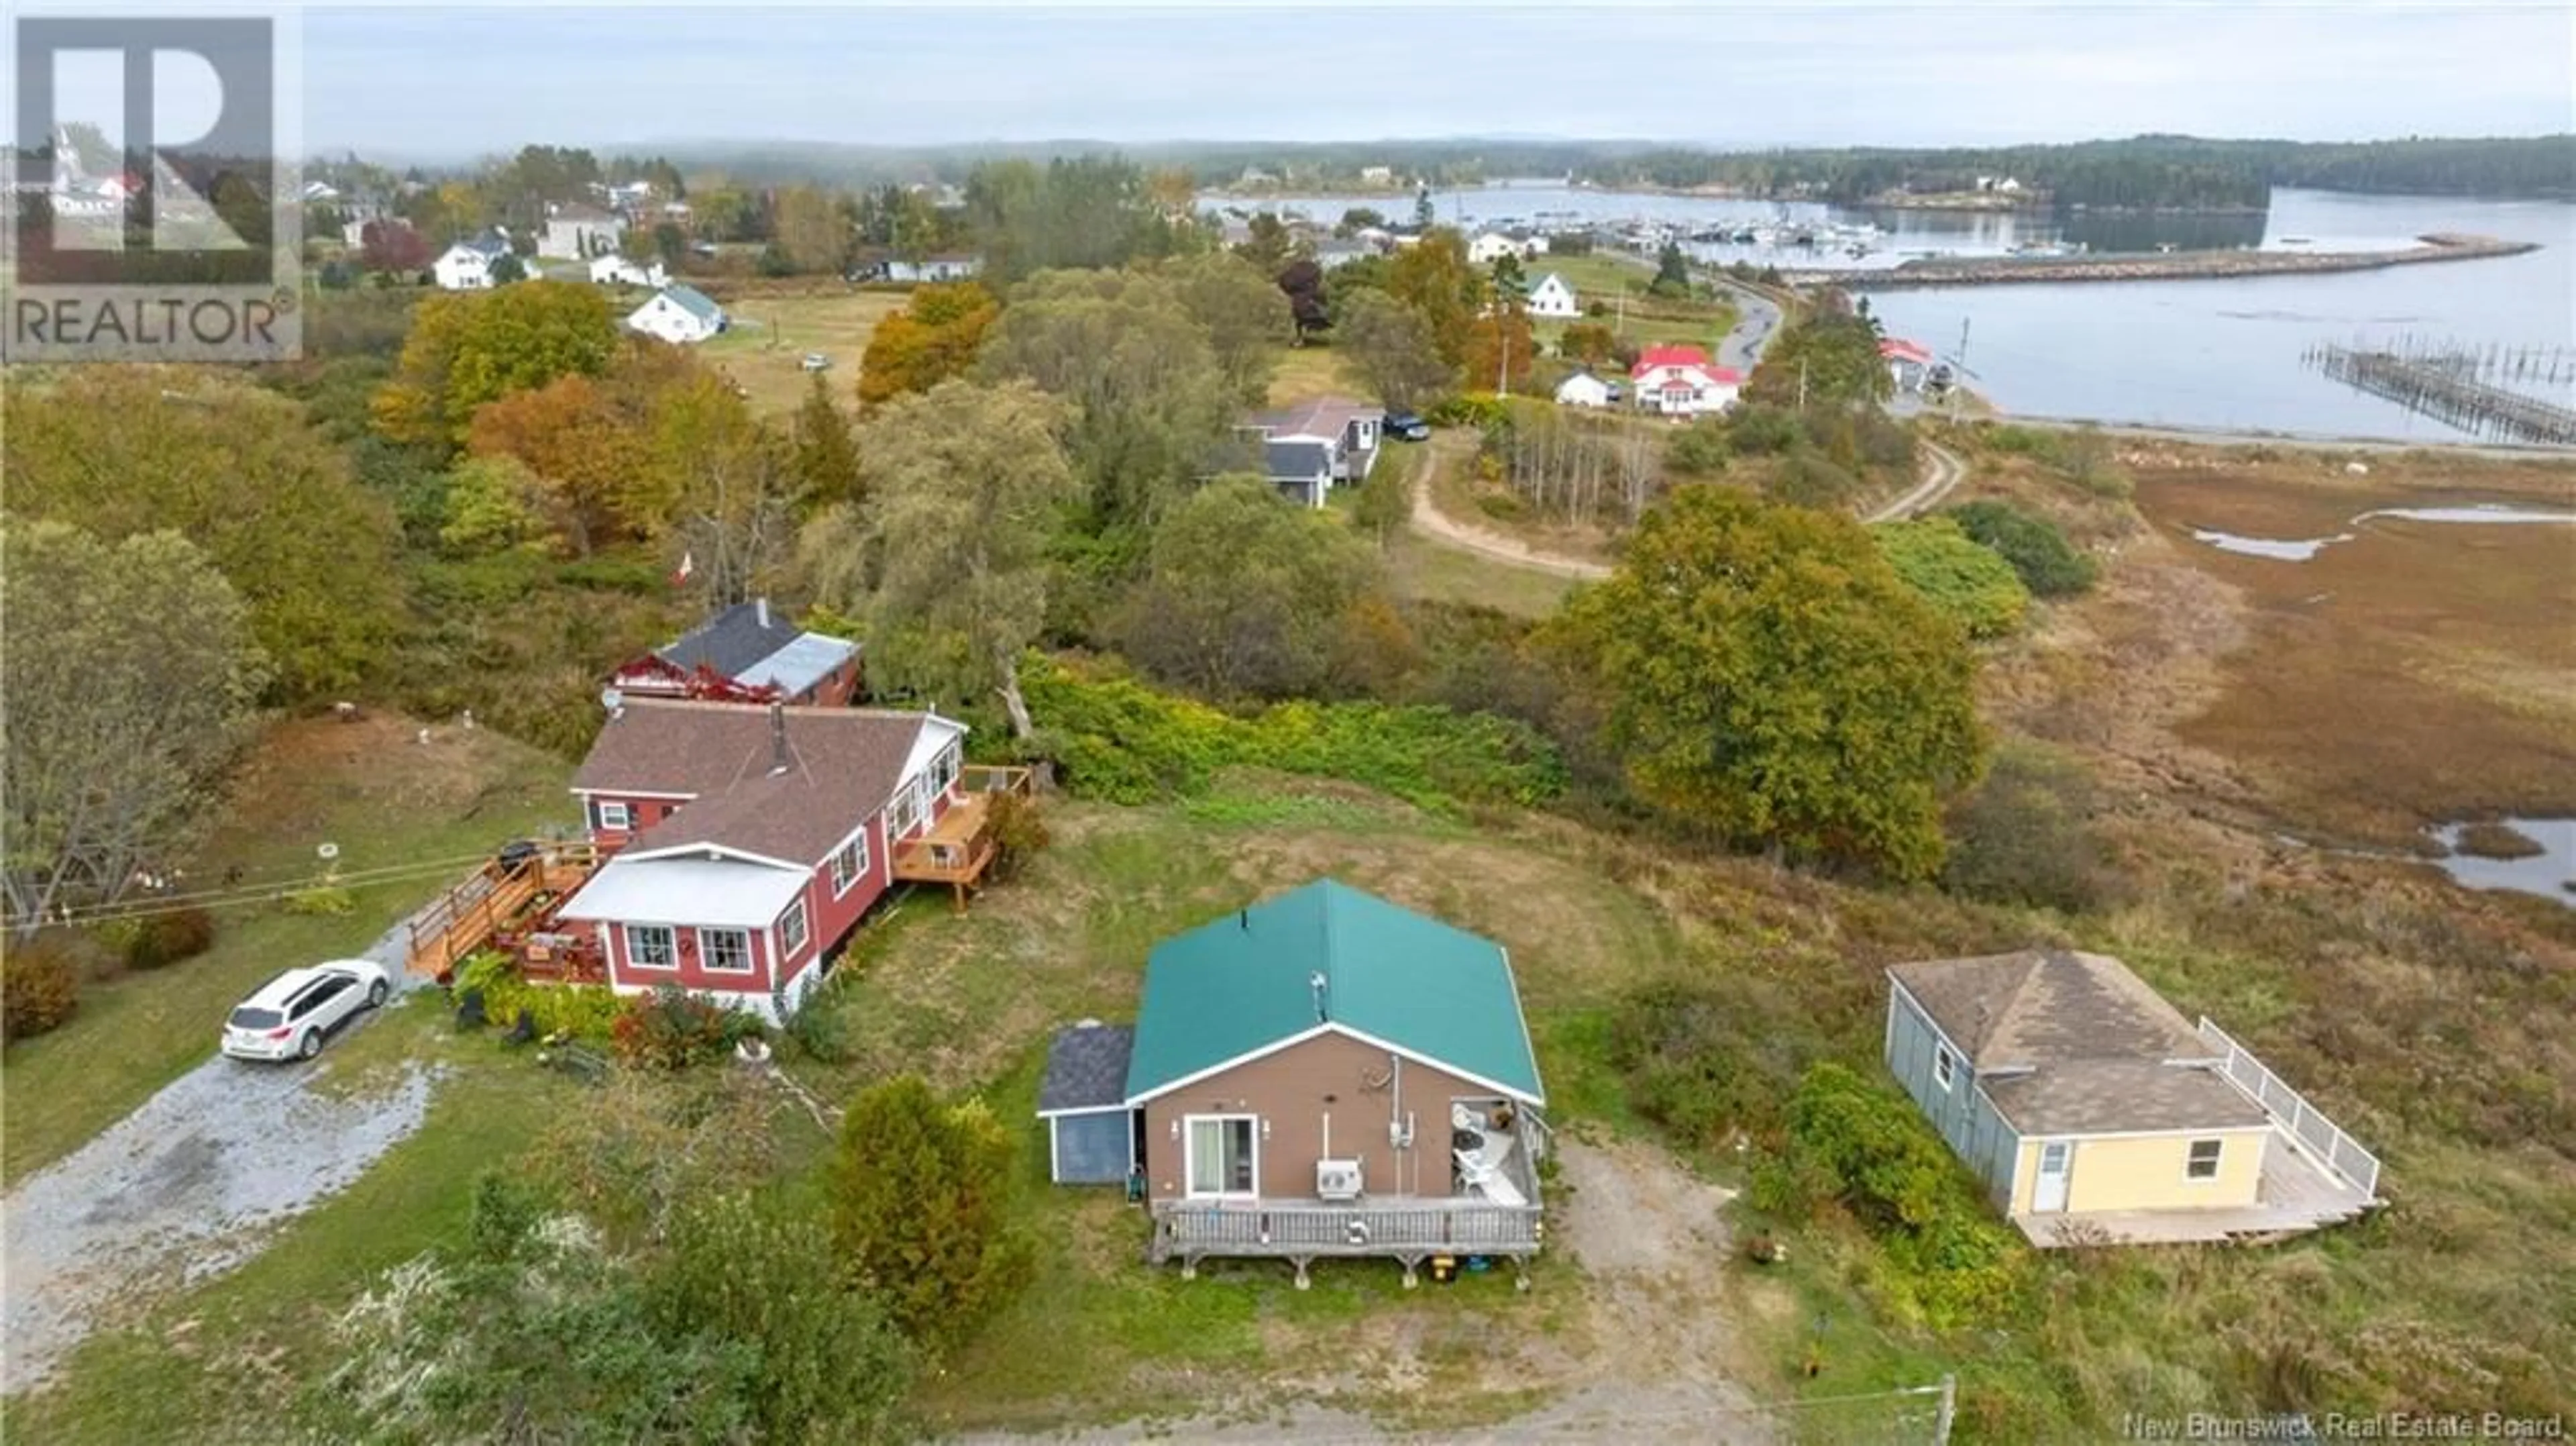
(185,1187)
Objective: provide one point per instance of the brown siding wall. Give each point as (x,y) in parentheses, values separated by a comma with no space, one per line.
(1291,1092)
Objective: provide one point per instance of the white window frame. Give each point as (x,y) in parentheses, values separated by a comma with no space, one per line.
(1945,1067)
(670,946)
(2191,1172)
(707,951)
(788,946)
(1189,1156)
(910,810)
(625,814)
(850,863)
(946,769)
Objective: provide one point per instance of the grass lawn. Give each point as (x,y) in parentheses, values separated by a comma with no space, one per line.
(1307,372)
(369,788)
(764,349)
(1424,567)
(213,1362)
(971,1000)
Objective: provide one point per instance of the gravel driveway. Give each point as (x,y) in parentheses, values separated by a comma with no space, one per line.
(186,1187)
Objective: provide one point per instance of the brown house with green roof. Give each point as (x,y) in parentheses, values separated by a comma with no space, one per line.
(1323,1073)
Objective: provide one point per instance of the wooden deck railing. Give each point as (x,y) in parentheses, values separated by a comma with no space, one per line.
(960,846)
(2322,1137)
(1290,1229)
(490,900)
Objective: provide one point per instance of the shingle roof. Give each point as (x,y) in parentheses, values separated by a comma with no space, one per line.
(2069,1043)
(693,301)
(843,764)
(1297,461)
(1086,1068)
(733,641)
(1323,417)
(1242,984)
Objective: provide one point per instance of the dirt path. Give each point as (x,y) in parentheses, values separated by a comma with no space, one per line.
(1654,1357)
(1942,470)
(187,1186)
(1446,451)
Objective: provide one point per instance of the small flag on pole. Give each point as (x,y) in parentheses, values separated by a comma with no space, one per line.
(688,565)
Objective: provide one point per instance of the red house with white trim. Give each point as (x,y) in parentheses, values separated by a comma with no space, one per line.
(743,841)
(1680,381)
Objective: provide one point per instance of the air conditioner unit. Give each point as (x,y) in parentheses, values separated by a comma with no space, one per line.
(1337,1179)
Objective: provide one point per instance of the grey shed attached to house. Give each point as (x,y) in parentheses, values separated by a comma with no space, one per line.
(1091,1134)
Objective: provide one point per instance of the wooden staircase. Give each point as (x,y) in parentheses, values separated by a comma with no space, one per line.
(493,899)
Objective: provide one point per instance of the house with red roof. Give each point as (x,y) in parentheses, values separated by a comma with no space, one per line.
(743,842)
(1680,381)
(1907,362)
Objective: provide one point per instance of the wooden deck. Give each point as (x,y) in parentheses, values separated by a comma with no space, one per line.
(2295,1195)
(493,900)
(960,847)
(1408,1229)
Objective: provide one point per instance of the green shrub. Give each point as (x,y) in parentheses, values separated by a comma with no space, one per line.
(39,986)
(1472,409)
(2024,835)
(1706,1056)
(322,899)
(1502,506)
(1809,479)
(2039,553)
(167,938)
(671,1028)
(1944,1258)
(1116,739)
(820,1027)
(1972,585)
(921,1208)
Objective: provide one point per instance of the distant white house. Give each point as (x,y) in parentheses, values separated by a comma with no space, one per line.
(577,233)
(1491,247)
(952,266)
(1335,252)
(1552,297)
(682,315)
(1377,175)
(1583,389)
(615,270)
(467,265)
(1680,381)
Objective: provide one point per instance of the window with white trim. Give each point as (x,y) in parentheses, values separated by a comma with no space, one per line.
(2203,1164)
(908,810)
(849,864)
(612,815)
(1223,1158)
(943,770)
(725,951)
(792,929)
(651,946)
(1945,1066)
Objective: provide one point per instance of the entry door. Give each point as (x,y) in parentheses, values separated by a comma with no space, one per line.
(2056,1170)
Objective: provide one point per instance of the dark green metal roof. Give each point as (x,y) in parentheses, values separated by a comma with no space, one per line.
(1244,983)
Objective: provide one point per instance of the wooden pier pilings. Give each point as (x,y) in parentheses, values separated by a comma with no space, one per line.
(2446,385)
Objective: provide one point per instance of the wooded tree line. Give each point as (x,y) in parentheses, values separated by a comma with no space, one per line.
(2175,172)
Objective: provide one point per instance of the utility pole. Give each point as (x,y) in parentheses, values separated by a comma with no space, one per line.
(1802,384)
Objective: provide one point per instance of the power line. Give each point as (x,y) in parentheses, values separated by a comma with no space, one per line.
(154,905)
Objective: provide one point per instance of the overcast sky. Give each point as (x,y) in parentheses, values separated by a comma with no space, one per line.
(460,80)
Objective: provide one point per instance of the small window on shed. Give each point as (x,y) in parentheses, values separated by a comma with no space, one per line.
(2203,1164)
(1945,1066)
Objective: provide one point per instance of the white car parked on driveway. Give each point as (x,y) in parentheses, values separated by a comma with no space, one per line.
(293,1013)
